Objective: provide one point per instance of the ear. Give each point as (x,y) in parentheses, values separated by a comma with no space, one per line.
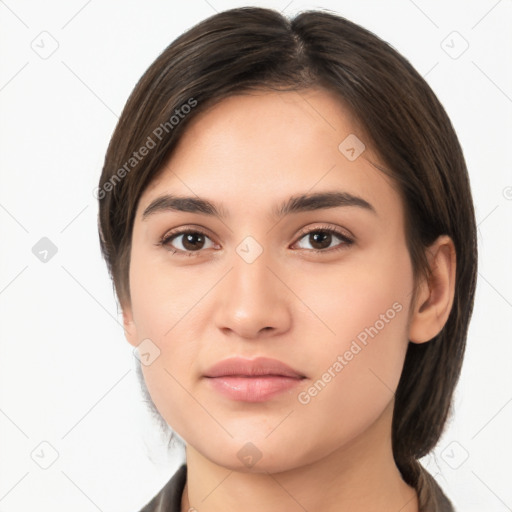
(434,297)
(130,330)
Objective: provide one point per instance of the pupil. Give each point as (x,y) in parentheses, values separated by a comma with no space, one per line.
(188,242)
(320,239)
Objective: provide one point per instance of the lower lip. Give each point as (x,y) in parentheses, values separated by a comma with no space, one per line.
(253,389)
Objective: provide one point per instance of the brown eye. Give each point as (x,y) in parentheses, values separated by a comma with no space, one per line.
(186,241)
(321,239)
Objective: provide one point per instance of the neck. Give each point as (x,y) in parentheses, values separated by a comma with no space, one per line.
(361,476)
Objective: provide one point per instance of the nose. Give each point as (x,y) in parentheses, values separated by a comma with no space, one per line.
(252,300)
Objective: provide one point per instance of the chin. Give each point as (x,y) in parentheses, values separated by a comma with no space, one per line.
(258,455)
(267,464)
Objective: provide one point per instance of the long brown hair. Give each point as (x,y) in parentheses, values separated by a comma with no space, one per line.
(255,48)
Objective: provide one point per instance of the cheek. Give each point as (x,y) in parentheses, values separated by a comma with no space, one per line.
(357,371)
(364,298)
(356,375)
(162,298)
(169,376)
(160,305)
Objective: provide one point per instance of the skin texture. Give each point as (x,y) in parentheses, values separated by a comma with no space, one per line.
(250,153)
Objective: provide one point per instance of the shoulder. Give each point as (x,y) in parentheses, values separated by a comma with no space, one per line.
(168,498)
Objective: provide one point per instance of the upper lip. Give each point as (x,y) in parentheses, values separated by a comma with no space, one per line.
(261,366)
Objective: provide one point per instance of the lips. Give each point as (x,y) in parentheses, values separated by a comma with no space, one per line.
(252,380)
(261,366)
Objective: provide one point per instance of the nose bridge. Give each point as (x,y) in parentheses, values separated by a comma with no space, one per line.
(251,298)
(250,277)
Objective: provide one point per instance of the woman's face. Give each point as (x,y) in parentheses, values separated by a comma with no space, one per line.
(319,283)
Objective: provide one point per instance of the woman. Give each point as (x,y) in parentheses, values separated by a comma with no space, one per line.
(286,214)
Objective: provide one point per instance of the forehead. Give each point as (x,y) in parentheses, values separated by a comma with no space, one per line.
(255,148)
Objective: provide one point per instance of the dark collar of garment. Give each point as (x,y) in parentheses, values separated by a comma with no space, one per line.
(430,495)
(168,498)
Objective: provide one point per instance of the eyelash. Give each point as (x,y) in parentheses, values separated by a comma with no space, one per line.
(346,241)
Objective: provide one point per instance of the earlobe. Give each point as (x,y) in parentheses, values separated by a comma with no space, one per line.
(434,297)
(130,331)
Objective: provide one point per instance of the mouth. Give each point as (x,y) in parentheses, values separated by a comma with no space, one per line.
(252,380)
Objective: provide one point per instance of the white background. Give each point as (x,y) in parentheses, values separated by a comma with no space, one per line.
(67,375)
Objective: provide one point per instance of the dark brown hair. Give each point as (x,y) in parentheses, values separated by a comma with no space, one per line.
(254,48)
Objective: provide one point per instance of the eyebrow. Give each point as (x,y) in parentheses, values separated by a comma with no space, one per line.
(295,204)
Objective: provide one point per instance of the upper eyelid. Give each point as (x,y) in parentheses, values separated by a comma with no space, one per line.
(326,227)
(183,231)
(205,231)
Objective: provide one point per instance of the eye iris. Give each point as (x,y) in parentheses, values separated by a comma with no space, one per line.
(188,238)
(319,237)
